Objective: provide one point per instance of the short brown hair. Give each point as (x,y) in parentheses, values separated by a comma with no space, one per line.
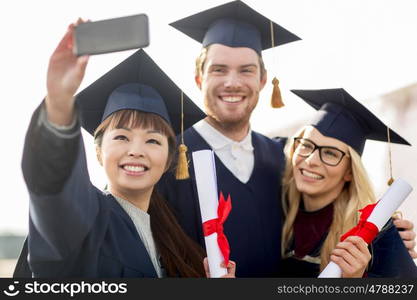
(201,60)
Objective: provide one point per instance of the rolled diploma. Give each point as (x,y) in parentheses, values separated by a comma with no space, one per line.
(389,203)
(205,175)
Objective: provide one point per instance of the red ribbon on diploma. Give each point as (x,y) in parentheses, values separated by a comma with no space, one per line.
(216,226)
(366,230)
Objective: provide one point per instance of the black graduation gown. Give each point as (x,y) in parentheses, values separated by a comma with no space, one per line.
(390,257)
(253,227)
(75,230)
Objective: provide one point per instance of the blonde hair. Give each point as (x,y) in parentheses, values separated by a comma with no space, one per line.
(201,60)
(355,195)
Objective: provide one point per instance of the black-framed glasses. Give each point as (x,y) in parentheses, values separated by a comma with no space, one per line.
(328,155)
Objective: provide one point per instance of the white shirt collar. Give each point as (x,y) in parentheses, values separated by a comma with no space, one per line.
(217,140)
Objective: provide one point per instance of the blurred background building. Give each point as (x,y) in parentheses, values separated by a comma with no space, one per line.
(10,246)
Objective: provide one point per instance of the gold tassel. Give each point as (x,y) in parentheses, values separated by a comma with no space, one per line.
(182,166)
(276,99)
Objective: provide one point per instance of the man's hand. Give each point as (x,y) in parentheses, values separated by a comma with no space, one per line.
(408,235)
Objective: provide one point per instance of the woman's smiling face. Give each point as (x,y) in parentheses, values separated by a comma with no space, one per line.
(317,180)
(134,159)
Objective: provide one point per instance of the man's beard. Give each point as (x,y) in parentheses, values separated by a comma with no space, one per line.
(229,125)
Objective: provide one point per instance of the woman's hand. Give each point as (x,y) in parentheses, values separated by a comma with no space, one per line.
(352,256)
(231,269)
(65,73)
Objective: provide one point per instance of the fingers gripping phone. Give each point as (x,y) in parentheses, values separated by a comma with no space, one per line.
(111,35)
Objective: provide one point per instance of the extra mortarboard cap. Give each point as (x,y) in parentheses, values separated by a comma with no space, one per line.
(342,117)
(136,83)
(234,24)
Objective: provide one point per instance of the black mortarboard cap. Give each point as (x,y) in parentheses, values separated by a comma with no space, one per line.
(136,83)
(234,24)
(342,117)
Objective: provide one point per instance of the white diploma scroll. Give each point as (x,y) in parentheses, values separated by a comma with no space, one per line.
(205,175)
(389,203)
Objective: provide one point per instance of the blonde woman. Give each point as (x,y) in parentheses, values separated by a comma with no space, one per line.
(324,186)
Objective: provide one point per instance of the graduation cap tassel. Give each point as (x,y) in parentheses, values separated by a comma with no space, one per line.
(276,98)
(391,179)
(182,166)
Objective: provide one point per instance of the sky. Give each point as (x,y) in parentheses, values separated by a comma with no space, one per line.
(366,46)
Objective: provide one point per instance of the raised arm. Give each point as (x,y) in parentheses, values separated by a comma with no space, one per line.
(65,73)
(63,202)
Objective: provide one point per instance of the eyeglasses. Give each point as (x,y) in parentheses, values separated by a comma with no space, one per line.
(328,155)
